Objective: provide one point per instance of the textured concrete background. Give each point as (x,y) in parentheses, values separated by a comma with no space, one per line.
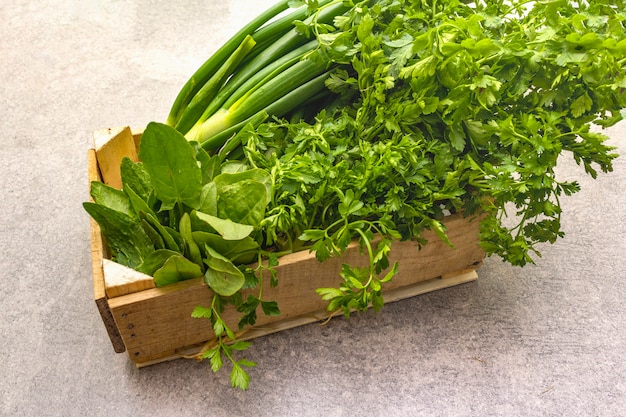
(546,340)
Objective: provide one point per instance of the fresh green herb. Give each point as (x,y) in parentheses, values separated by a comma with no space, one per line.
(369,121)
(192,216)
(491,95)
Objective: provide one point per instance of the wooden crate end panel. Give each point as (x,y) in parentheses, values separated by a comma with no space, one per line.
(112,145)
(110,325)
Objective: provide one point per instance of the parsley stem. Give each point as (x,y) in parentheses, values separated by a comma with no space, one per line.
(370,253)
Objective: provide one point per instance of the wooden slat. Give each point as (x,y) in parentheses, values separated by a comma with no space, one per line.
(397,294)
(112,145)
(97,254)
(155,323)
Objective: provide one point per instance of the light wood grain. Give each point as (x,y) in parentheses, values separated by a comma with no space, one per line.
(112,145)
(121,280)
(322,315)
(98,253)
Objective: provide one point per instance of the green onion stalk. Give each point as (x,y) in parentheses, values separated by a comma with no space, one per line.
(268,68)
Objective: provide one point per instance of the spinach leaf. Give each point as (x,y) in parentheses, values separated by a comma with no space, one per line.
(176,268)
(136,177)
(171,163)
(127,240)
(155,260)
(153,234)
(228,229)
(222,276)
(208,199)
(192,251)
(254,174)
(170,237)
(243,196)
(112,198)
(242,202)
(241,251)
(138,204)
(210,165)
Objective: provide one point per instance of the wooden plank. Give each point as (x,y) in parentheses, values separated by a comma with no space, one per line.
(112,145)
(121,280)
(397,294)
(97,254)
(155,323)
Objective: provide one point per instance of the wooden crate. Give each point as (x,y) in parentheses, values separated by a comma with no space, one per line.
(155,324)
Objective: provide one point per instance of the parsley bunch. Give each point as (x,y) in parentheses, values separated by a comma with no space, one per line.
(447,106)
(439,107)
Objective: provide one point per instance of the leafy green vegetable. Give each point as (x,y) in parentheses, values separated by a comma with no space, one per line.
(112,198)
(171,239)
(127,241)
(369,121)
(192,250)
(228,229)
(176,268)
(135,176)
(450,106)
(242,251)
(243,196)
(222,275)
(155,260)
(184,214)
(171,163)
(161,229)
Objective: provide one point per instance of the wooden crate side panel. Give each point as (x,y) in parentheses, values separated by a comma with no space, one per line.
(154,323)
(97,254)
(437,258)
(299,277)
(159,322)
(320,316)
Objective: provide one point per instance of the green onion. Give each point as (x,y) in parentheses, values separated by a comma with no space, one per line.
(271,68)
(202,75)
(259,98)
(206,94)
(235,90)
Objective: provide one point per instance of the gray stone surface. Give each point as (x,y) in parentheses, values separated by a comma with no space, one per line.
(546,340)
